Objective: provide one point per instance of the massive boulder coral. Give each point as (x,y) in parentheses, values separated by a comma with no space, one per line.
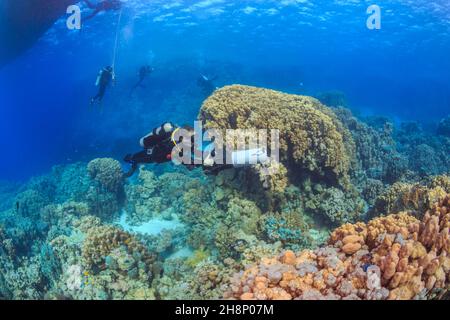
(393,257)
(105,195)
(107,172)
(311,136)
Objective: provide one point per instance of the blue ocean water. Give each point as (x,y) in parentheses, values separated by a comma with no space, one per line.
(296,46)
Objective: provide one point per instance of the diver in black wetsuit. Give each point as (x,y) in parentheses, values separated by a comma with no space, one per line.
(105,5)
(207,84)
(144,71)
(104,78)
(157,146)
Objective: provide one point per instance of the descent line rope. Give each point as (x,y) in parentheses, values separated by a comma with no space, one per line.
(117,39)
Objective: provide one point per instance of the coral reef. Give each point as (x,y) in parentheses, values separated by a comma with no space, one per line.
(107,194)
(150,196)
(311,136)
(107,172)
(104,244)
(393,257)
(283,230)
(426,152)
(444,127)
(337,206)
(376,152)
(333,98)
(404,196)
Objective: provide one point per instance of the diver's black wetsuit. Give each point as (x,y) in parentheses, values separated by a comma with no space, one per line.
(157,149)
(206,84)
(106,77)
(143,73)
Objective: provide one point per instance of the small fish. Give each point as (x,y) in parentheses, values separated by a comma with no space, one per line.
(17,206)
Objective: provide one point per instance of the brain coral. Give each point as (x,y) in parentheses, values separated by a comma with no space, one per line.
(311,136)
(107,172)
(393,257)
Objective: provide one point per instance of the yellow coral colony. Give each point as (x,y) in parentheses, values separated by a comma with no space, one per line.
(311,136)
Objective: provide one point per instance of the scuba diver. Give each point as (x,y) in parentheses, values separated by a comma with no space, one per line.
(207,84)
(104,78)
(105,5)
(158,146)
(144,71)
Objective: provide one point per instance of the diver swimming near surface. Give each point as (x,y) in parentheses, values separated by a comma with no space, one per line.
(104,78)
(144,71)
(105,5)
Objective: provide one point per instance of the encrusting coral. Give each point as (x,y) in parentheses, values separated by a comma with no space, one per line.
(393,257)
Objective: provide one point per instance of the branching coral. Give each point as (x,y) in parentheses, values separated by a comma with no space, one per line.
(394,257)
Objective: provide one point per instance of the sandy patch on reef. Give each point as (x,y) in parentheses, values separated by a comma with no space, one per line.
(152,227)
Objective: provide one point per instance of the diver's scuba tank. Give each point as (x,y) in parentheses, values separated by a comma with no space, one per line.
(239,158)
(99,76)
